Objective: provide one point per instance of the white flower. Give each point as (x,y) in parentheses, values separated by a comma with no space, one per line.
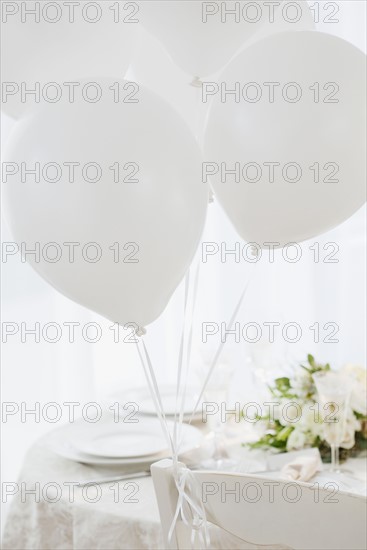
(301,384)
(296,440)
(359,393)
(357,371)
(348,440)
(289,412)
(310,422)
(352,425)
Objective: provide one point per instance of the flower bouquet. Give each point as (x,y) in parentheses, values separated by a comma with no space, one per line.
(296,423)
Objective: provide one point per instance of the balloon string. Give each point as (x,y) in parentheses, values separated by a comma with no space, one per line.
(180,361)
(189,504)
(154,390)
(151,377)
(190,508)
(188,350)
(222,344)
(198,121)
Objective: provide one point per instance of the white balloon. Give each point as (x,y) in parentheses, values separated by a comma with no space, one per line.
(201,36)
(294,135)
(137,183)
(61,43)
(291,16)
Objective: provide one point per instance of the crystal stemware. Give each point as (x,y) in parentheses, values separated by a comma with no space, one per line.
(334,391)
(216,394)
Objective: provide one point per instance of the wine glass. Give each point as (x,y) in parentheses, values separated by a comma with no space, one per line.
(216,392)
(266,361)
(334,391)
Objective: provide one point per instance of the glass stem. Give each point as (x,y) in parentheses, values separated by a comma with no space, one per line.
(334,458)
(217,442)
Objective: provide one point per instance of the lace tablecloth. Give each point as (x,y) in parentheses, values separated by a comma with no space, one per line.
(58,516)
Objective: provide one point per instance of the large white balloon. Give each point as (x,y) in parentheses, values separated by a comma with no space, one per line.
(201,37)
(58,42)
(125,176)
(290,16)
(293,136)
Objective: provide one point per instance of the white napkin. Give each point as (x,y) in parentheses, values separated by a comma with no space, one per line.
(302,468)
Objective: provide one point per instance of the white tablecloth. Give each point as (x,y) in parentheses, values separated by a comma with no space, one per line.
(39,524)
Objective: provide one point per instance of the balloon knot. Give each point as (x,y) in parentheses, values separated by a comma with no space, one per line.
(140,331)
(196,82)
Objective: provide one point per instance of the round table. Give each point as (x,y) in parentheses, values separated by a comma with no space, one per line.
(49,510)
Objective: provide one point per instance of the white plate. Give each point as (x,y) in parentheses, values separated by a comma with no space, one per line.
(64,441)
(123,441)
(142,397)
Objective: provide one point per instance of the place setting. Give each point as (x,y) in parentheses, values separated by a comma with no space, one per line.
(120,446)
(124,446)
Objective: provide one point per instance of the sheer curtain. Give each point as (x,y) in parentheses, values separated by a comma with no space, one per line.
(305,292)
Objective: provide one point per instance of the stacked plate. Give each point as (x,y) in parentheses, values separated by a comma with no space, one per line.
(107,443)
(145,405)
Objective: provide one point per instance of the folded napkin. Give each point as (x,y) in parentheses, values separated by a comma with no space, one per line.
(302,468)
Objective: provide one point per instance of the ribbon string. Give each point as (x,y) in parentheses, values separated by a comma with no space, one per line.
(154,390)
(221,345)
(188,352)
(189,507)
(179,365)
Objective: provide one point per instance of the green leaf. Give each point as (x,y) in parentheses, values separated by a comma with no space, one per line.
(283,384)
(284,433)
(306,368)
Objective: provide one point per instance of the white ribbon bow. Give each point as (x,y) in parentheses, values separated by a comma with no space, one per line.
(190,508)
